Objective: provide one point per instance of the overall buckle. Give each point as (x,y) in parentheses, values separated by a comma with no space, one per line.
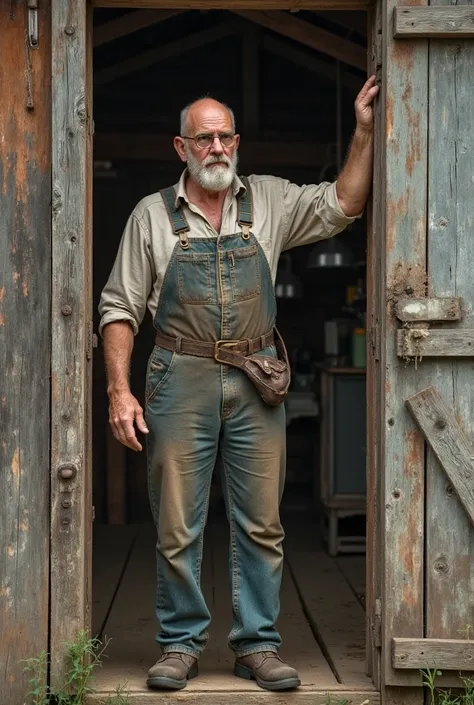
(221,343)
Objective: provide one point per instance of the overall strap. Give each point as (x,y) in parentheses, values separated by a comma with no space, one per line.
(176,216)
(245,209)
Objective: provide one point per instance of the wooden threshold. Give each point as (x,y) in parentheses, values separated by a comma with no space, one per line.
(131,626)
(238,4)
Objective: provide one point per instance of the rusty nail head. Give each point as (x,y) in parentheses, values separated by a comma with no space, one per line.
(440,423)
(69,30)
(66,503)
(67,471)
(409,290)
(66,310)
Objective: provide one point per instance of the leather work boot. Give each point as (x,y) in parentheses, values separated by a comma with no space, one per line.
(172,671)
(267,668)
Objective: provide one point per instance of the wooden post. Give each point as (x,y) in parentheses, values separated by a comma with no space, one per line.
(25,297)
(404,164)
(71,510)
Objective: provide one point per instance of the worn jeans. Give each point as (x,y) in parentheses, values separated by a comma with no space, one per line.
(197,410)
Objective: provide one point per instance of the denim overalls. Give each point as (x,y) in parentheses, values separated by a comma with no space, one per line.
(198,410)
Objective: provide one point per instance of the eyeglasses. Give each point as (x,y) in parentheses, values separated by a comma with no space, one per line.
(204,141)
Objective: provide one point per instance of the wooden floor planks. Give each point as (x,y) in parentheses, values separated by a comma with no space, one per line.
(131,625)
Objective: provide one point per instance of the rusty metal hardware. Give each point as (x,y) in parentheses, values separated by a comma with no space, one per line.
(33,38)
(67,471)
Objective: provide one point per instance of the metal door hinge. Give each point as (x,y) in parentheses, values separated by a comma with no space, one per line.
(377,624)
(33,38)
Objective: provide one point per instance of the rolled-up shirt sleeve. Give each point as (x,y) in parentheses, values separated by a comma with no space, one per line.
(125,296)
(311,213)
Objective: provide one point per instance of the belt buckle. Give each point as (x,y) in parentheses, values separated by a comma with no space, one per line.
(220,343)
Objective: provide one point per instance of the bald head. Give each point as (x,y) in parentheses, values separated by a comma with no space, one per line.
(206,112)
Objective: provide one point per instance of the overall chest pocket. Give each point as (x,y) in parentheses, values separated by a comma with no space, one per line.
(244,272)
(194,278)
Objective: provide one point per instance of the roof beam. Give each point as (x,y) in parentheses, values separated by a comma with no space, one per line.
(309,35)
(303,58)
(129,23)
(240,4)
(351,21)
(139,146)
(153,56)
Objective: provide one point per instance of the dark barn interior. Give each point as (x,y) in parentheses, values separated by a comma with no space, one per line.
(291,79)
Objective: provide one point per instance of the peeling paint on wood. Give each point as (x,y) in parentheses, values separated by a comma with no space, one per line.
(429,309)
(404,168)
(450,537)
(71,506)
(25,255)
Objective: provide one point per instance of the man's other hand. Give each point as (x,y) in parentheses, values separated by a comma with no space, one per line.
(363,105)
(124,413)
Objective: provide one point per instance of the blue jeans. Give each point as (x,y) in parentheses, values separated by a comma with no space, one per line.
(197,410)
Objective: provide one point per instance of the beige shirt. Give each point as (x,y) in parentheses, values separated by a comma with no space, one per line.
(285,216)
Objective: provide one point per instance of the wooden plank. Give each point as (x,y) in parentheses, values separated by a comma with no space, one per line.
(450,535)
(424,342)
(309,35)
(25,300)
(71,515)
(250,81)
(354,570)
(111,547)
(116,480)
(142,146)
(375,382)
(129,23)
(334,612)
(165,51)
(449,443)
(308,60)
(240,4)
(404,164)
(445,654)
(443,22)
(236,697)
(447,308)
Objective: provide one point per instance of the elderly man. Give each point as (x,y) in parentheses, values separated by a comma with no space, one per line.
(202,256)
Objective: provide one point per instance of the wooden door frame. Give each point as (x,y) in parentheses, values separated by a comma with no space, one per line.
(71,457)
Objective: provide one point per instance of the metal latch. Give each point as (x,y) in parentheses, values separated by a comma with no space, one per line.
(33,38)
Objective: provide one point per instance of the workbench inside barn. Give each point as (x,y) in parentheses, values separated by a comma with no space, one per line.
(322,620)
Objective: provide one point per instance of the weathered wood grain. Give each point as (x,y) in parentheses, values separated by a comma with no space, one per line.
(445,654)
(432,342)
(241,4)
(71,515)
(129,23)
(404,81)
(309,35)
(446,21)
(450,537)
(375,383)
(164,51)
(449,443)
(234,696)
(25,299)
(433,309)
(138,146)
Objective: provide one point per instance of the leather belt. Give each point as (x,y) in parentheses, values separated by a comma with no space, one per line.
(199,348)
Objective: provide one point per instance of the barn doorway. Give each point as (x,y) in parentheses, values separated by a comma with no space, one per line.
(291,79)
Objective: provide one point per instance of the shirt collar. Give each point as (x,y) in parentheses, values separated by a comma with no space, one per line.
(237,187)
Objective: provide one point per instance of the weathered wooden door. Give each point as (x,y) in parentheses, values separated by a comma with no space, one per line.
(422,320)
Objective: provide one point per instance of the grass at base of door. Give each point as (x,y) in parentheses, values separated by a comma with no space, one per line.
(441,696)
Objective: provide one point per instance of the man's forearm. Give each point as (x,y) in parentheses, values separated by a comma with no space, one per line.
(118,346)
(355,180)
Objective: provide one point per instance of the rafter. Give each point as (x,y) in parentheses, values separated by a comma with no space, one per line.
(240,4)
(309,35)
(129,23)
(140,146)
(153,56)
(303,58)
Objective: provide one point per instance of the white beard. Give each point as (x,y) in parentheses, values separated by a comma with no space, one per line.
(217,178)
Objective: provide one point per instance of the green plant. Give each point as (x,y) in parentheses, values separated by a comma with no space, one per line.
(446,697)
(84,656)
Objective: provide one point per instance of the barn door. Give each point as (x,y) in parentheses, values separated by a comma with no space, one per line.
(71,511)
(427,344)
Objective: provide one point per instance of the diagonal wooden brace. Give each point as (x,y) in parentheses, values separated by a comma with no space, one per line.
(439,425)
